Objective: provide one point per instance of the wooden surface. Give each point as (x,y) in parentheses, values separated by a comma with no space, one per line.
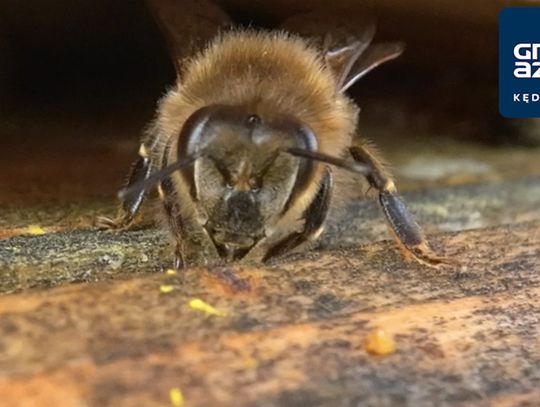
(78,253)
(293,332)
(90,318)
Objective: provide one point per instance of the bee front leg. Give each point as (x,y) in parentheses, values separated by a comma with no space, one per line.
(130,205)
(401,222)
(314,216)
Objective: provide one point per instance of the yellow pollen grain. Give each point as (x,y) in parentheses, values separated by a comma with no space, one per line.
(35,230)
(165,289)
(176,396)
(200,305)
(250,363)
(378,342)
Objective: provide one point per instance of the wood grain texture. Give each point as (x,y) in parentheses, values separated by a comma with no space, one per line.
(79,255)
(293,334)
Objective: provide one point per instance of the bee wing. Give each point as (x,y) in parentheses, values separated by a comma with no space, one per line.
(345,43)
(342,59)
(373,56)
(187,25)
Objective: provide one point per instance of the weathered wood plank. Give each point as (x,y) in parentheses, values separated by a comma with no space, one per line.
(86,255)
(293,334)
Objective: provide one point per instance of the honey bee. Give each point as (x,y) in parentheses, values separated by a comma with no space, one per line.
(242,148)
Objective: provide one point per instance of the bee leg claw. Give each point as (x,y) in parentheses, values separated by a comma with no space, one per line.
(121,222)
(408,234)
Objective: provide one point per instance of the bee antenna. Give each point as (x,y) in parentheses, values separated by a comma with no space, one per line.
(155,178)
(337,162)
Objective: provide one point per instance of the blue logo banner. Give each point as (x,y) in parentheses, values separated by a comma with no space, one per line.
(519,62)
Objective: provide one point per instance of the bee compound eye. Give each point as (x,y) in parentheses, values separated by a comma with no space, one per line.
(253,119)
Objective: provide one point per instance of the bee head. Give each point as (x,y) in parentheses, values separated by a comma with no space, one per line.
(244,170)
(245,180)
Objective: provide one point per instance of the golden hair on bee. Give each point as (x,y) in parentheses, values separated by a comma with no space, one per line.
(242,147)
(270,71)
(272,74)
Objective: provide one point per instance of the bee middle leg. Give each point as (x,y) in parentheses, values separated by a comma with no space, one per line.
(314,216)
(401,222)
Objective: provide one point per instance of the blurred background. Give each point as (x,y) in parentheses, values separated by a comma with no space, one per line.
(96,59)
(85,60)
(79,80)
